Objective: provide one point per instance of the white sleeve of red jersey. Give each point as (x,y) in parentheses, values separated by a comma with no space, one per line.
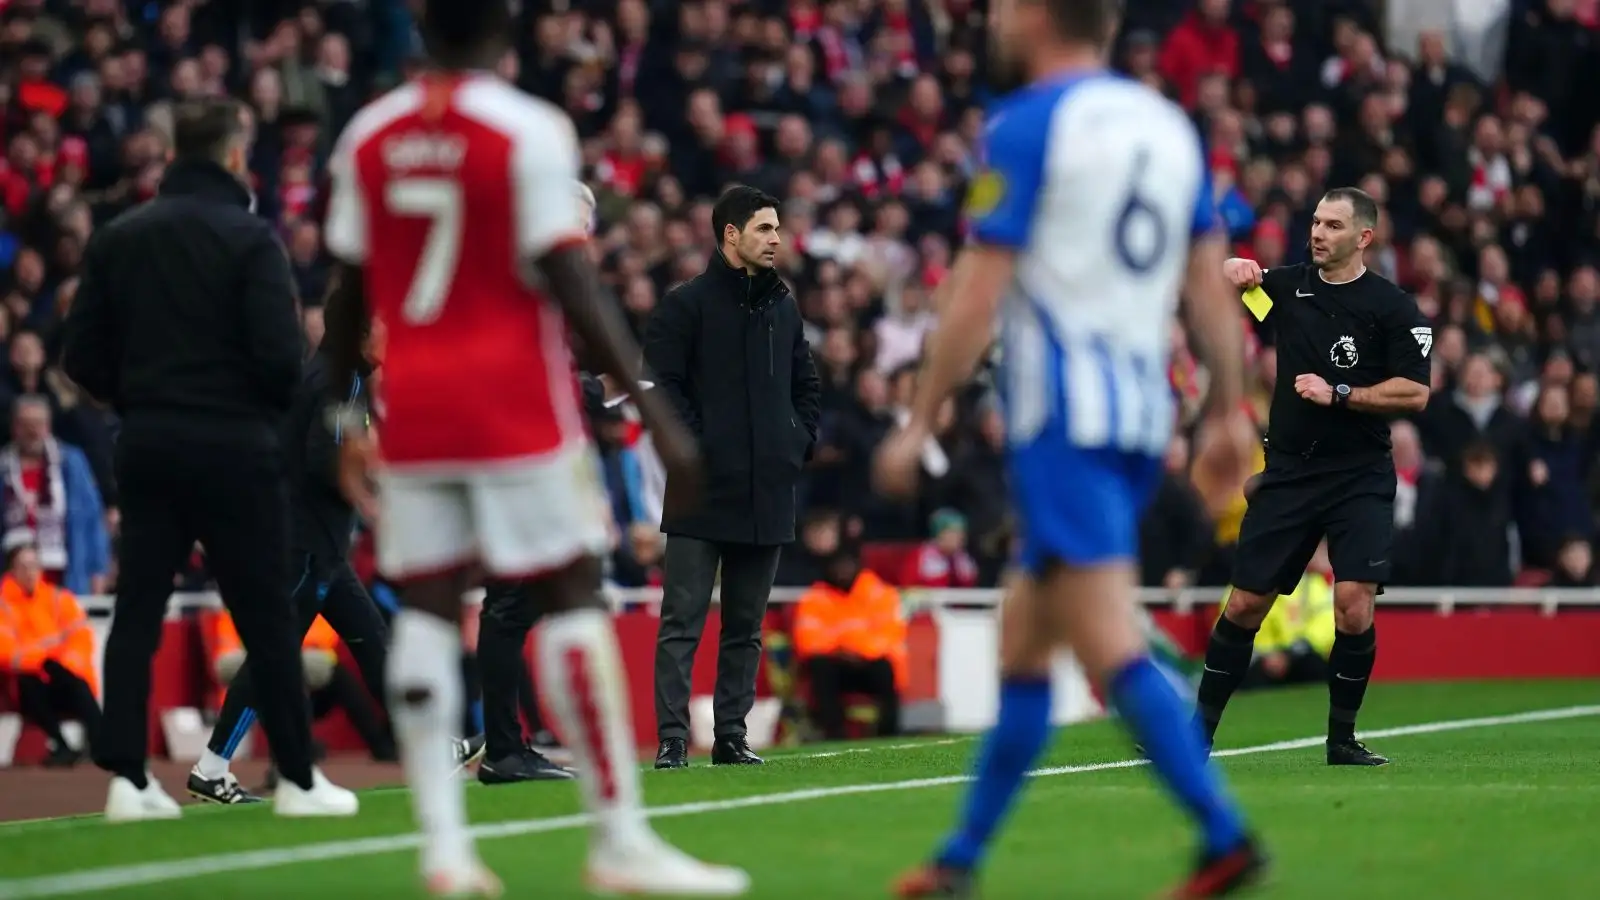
(345,232)
(545,170)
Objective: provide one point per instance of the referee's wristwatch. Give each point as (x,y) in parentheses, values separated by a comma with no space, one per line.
(1341,395)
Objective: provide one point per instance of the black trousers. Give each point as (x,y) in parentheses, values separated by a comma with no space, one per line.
(231,496)
(691,573)
(831,677)
(45,697)
(504,681)
(329,587)
(344,691)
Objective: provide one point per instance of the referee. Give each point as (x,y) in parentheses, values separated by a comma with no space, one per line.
(185,322)
(1352,354)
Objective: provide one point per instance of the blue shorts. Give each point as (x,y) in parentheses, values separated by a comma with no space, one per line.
(1078,506)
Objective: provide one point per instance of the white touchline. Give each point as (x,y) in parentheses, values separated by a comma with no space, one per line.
(118,877)
(95,820)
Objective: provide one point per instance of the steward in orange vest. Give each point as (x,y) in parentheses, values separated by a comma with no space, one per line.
(850,638)
(47,649)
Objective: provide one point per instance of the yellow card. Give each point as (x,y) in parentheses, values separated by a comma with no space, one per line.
(1257,301)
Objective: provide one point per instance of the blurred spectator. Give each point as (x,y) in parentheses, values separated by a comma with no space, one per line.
(1551,506)
(860,116)
(50,492)
(801,565)
(1574,564)
(1172,537)
(943,560)
(1417,484)
(47,647)
(1466,533)
(850,638)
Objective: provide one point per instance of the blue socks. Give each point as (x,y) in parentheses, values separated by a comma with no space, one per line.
(1162,722)
(1008,753)
(1155,713)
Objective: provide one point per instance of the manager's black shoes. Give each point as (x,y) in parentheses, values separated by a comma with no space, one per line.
(1351,752)
(733,751)
(673,754)
(526,764)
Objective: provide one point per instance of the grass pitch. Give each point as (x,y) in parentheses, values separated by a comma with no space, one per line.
(1507,805)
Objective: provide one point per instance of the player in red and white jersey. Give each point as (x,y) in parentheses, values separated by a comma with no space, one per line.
(448,194)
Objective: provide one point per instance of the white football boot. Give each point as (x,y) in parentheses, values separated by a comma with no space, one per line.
(324,800)
(646,865)
(470,880)
(126,803)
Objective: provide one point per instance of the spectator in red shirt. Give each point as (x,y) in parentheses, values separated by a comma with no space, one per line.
(942,561)
(1203,43)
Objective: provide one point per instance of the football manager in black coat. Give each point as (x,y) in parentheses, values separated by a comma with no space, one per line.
(729,350)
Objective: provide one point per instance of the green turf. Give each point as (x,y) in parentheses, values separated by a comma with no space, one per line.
(1506,811)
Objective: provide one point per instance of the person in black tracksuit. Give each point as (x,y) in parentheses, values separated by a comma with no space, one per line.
(321,580)
(728,347)
(506,685)
(185,322)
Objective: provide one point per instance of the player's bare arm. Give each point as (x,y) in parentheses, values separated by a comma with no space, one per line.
(1226,436)
(969,299)
(1213,318)
(575,285)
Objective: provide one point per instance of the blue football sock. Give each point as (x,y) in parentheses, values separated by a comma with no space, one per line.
(1008,753)
(1157,716)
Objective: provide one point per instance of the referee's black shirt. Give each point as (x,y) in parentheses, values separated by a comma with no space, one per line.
(185,317)
(1359,333)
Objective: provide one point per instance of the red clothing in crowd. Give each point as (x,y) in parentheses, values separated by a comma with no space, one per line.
(1197,48)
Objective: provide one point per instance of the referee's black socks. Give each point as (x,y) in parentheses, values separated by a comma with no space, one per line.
(1349,671)
(1227,663)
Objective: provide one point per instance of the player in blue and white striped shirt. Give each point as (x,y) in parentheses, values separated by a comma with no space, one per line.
(1092,212)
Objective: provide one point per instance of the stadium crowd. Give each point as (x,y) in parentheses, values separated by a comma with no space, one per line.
(861,115)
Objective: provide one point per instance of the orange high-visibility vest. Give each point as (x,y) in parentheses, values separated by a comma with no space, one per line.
(866,622)
(320,637)
(45,625)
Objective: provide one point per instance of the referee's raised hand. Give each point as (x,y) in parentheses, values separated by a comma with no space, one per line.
(1243,274)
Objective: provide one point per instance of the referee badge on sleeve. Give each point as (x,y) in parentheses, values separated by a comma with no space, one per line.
(1424,336)
(985,194)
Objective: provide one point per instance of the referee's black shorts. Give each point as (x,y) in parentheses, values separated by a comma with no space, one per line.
(1300,500)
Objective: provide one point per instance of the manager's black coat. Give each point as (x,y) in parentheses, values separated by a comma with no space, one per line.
(730,352)
(185,316)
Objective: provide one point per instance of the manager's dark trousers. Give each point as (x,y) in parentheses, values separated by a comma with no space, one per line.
(228,492)
(323,586)
(691,572)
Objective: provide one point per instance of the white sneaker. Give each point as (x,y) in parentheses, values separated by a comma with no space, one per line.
(654,867)
(471,880)
(126,803)
(325,799)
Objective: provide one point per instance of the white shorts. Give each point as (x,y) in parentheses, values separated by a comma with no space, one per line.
(517,519)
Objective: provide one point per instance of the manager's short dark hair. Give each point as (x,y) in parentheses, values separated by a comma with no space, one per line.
(203,129)
(1089,21)
(1361,203)
(736,206)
